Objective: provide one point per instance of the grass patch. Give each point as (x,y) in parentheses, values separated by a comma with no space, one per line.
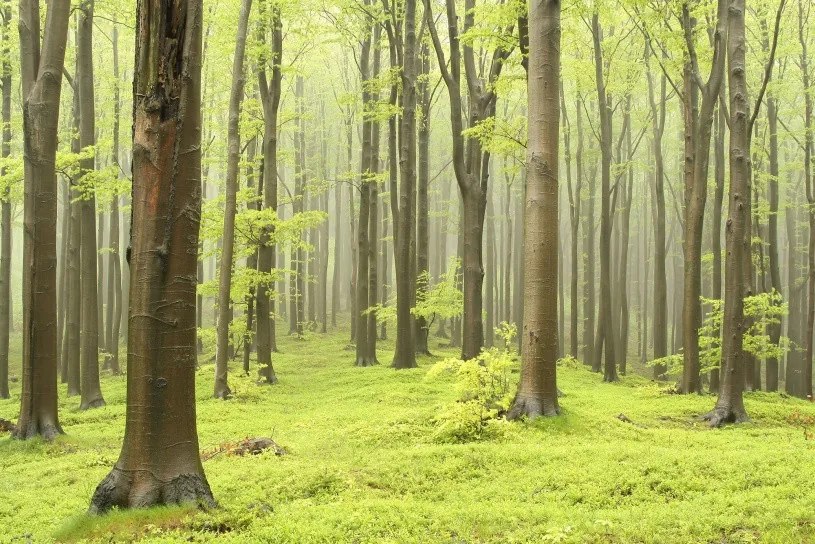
(364,464)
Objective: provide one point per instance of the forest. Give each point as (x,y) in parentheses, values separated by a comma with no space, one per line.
(392,271)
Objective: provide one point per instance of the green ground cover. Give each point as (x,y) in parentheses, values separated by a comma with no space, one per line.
(365,464)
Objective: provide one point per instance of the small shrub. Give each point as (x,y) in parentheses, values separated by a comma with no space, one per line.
(485,390)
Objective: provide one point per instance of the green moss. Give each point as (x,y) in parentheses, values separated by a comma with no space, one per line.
(363,464)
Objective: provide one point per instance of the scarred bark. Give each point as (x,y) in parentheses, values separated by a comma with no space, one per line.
(159,462)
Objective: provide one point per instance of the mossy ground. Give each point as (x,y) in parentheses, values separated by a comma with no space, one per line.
(364,466)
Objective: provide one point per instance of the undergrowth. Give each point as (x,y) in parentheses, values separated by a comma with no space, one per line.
(367,461)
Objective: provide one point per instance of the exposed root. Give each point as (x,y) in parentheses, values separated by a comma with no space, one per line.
(139,489)
(365,362)
(95,403)
(48,431)
(531,407)
(722,415)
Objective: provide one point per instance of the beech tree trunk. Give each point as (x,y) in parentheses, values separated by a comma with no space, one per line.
(605,329)
(114,309)
(270,98)
(89,344)
(809,149)
(422,331)
(160,462)
(222,390)
(404,210)
(537,392)
(5,205)
(41,74)
(698,124)
(730,404)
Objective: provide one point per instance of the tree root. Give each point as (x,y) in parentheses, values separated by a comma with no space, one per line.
(722,415)
(140,489)
(530,408)
(95,403)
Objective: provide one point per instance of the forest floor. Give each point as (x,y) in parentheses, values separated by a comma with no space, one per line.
(364,464)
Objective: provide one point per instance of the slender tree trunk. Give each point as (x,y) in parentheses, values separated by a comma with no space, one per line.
(270,98)
(5,206)
(405,213)
(605,329)
(160,462)
(660,323)
(114,310)
(373,215)
(222,390)
(809,149)
(251,260)
(718,201)
(89,344)
(422,330)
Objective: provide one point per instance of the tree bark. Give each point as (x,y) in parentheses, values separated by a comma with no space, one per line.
(89,344)
(809,149)
(605,329)
(537,392)
(160,462)
(41,75)
(222,390)
(730,404)
(404,212)
(5,204)
(114,310)
(698,123)
(270,98)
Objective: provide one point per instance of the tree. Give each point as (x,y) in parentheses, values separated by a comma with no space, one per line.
(270,98)
(470,161)
(159,462)
(537,393)
(42,65)
(730,404)
(5,204)
(91,391)
(222,390)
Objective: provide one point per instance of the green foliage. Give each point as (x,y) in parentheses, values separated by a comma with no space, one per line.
(442,300)
(484,387)
(762,311)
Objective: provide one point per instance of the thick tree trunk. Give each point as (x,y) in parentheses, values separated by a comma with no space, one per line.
(537,392)
(160,462)
(222,390)
(730,404)
(41,75)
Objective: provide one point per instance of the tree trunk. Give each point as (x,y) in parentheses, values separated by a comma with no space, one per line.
(422,330)
(5,207)
(405,213)
(251,260)
(222,390)
(730,404)
(114,310)
(809,148)
(160,462)
(537,392)
(89,345)
(605,329)
(717,224)
(270,98)
(41,75)
(660,323)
